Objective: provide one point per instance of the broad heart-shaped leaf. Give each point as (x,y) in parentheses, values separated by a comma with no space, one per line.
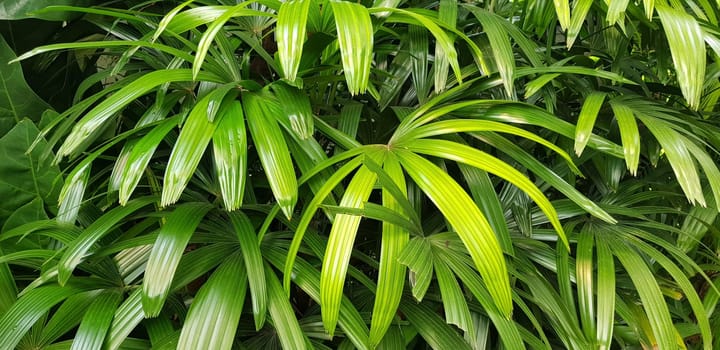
(214,314)
(290,35)
(272,149)
(355,36)
(467,220)
(340,246)
(687,46)
(17,100)
(96,322)
(230,154)
(20,9)
(25,178)
(166,254)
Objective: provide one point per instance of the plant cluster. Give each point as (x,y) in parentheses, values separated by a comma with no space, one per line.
(329,174)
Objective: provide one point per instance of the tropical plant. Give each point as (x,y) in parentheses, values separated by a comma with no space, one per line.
(332,174)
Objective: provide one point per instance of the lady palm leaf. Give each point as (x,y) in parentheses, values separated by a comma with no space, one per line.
(290,35)
(355,37)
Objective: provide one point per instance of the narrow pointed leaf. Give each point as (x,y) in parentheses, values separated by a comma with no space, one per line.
(586,120)
(166,253)
(391,274)
(296,108)
(272,150)
(253,265)
(290,35)
(139,157)
(214,314)
(72,194)
(230,147)
(650,294)
(585,282)
(96,322)
(340,245)
(580,11)
(86,130)
(355,36)
(629,135)
(454,303)
(78,250)
(500,44)
(417,256)
(431,327)
(282,315)
(467,220)
(687,46)
(605,294)
(189,149)
(18,320)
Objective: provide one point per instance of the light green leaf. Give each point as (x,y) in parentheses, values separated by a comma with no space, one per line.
(605,294)
(272,150)
(580,11)
(500,44)
(616,11)
(96,322)
(355,36)
(629,134)
(290,35)
(340,246)
(253,265)
(476,158)
(230,147)
(87,129)
(213,317)
(562,9)
(189,149)
(585,282)
(687,46)
(139,157)
(296,108)
(283,316)
(454,303)
(417,256)
(649,291)
(391,274)
(586,120)
(467,220)
(166,253)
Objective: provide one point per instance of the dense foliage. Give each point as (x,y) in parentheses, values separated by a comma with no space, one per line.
(331,174)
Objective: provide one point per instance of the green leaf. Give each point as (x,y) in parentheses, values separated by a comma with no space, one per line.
(467,220)
(230,154)
(189,149)
(454,303)
(500,44)
(580,11)
(290,35)
(16,322)
(616,11)
(391,274)
(586,120)
(355,36)
(629,134)
(21,9)
(214,28)
(476,158)
(139,158)
(296,108)
(214,314)
(431,327)
(585,282)
(96,322)
(687,46)
(87,128)
(417,256)
(649,291)
(340,246)
(166,253)
(78,249)
(562,8)
(253,265)
(17,99)
(605,294)
(272,150)
(282,314)
(25,177)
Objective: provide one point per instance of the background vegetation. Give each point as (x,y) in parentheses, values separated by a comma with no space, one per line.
(390,174)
